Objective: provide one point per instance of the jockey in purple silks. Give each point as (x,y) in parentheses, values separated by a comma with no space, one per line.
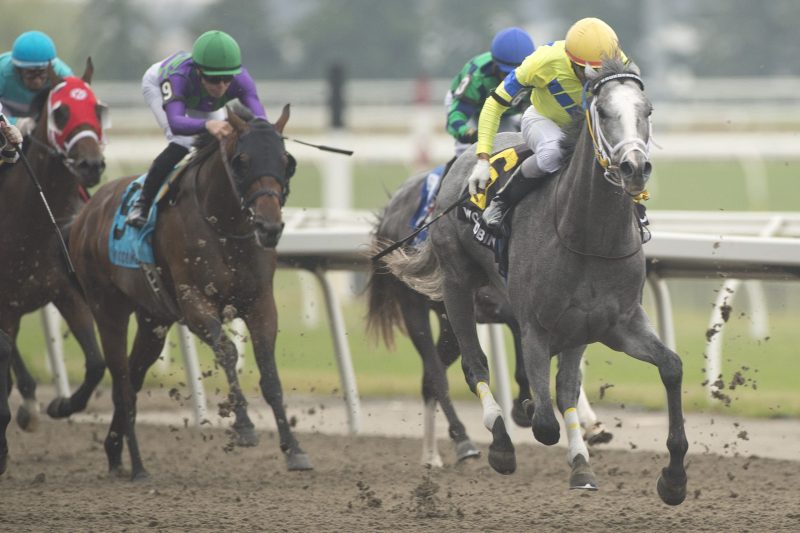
(187,94)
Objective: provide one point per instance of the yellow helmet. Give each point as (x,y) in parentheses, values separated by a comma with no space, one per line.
(591,40)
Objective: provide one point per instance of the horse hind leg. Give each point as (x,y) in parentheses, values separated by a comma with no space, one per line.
(568,384)
(594,431)
(28,411)
(79,319)
(458,298)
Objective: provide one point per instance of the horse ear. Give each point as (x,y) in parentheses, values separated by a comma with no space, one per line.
(236,121)
(88,72)
(53,78)
(634,68)
(590,72)
(284,118)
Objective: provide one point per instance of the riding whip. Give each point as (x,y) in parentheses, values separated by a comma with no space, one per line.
(62,244)
(322,147)
(397,244)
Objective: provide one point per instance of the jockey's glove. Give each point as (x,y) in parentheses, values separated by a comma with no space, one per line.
(11,135)
(479,177)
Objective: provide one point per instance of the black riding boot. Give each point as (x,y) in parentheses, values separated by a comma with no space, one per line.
(159,170)
(506,198)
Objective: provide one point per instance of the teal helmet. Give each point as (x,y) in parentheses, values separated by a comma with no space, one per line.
(33,49)
(217,54)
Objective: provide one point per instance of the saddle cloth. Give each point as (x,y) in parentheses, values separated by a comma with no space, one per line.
(427,202)
(128,246)
(501,165)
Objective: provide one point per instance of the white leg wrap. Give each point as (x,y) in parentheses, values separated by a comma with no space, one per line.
(491,409)
(585,412)
(430,453)
(574,436)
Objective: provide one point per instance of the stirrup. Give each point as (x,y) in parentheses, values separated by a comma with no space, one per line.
(494,215)
(137,216)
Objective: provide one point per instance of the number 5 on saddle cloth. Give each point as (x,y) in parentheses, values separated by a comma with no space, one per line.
(501,165)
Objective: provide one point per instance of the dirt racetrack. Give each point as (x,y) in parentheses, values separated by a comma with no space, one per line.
(57,481)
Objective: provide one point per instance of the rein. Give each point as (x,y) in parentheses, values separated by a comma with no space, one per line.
(604,152)
(52,152)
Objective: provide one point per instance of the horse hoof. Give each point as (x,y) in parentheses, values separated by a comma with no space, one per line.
(140,475)
(465,450)
(246,437)
(520,415)
(601,437)
(582,476)
(671,493)
(28,416)
(59,408)
(298,461)
(546,431)
(501,451)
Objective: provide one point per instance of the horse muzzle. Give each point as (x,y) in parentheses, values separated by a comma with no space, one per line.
(268,233)
(634,172)
(88,170)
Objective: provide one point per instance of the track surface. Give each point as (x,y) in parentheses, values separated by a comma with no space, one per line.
(57,481)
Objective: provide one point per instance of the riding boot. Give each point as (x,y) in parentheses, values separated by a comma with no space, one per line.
(512,192)
(159,170)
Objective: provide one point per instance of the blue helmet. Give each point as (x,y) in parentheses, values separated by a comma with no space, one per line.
(510,47)
(33,49)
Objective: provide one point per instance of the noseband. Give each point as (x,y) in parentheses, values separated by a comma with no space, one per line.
(604,152)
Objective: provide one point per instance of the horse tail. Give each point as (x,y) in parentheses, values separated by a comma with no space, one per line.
(383,304)
(418,268)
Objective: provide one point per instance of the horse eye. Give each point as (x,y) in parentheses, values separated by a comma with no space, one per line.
(61,116)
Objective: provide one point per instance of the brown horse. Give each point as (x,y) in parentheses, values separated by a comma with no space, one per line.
(214,247)
(66,157)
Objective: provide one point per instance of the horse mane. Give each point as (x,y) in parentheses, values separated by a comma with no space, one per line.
(572,131)
(39,101)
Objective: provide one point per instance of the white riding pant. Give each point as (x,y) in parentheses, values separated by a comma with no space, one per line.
(507,123)
(543,136)
(151,90)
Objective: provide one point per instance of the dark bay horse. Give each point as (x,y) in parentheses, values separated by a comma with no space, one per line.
(66,155)
(392,304)
(214,246)
(576,274)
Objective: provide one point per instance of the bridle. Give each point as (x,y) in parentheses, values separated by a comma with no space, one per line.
(246,202)
(604,152)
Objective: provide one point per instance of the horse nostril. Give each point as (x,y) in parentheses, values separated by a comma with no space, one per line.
(626,168)
(648,168)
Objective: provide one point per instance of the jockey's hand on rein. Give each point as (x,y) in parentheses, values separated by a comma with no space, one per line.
(10,133)
(479,177)
(219,128)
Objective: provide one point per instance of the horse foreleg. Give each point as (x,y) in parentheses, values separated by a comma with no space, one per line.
(5,411)
(79,319)
(568,384)
(113,328)
(537,365)
(458,300)
(263,326)
(28,411)
(636,338)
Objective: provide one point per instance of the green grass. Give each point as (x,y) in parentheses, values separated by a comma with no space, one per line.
(305,351)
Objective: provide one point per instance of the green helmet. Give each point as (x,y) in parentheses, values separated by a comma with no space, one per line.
(217,54)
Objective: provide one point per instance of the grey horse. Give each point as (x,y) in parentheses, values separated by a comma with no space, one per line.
(392,304)
(575,276)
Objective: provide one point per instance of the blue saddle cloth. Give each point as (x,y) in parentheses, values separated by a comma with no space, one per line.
(129,246)
(427,201)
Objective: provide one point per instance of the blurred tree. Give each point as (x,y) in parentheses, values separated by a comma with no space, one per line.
(117,35)
(251,25)
(370,39)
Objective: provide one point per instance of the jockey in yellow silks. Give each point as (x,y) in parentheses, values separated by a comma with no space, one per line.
(555,75)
